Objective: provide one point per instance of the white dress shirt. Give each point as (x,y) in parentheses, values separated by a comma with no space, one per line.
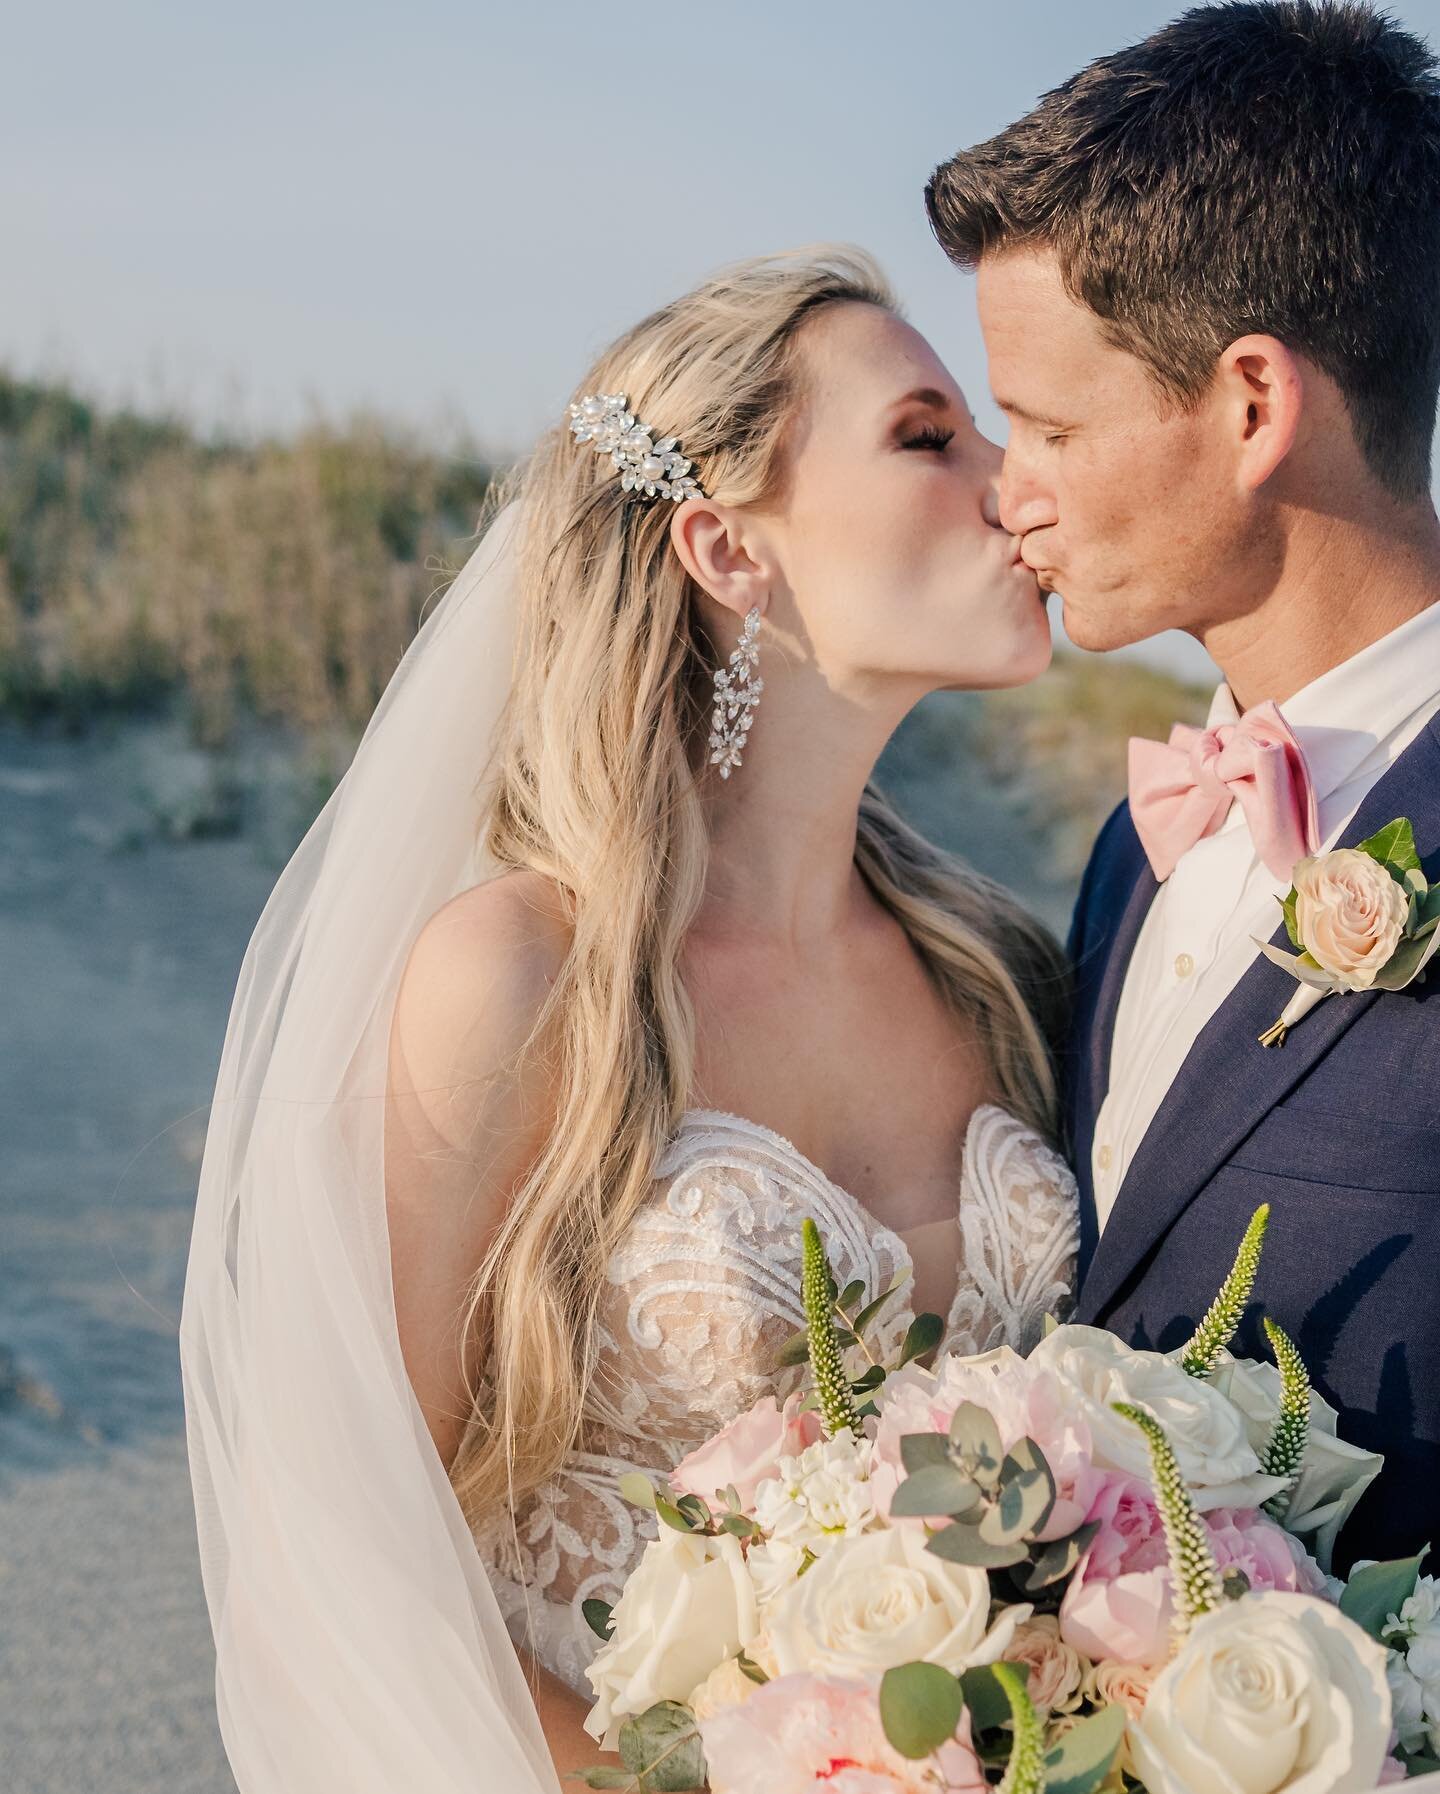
(1198,938)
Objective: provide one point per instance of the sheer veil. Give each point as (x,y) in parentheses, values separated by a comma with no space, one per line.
(359,1646)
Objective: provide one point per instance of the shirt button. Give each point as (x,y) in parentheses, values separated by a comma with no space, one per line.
(1184,965)
(1105,1158)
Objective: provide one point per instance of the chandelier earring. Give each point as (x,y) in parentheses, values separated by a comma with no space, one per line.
(737,692)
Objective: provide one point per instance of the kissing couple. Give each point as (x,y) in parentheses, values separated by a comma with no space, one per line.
(607,963)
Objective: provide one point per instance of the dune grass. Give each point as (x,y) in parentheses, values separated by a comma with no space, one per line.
(144,567)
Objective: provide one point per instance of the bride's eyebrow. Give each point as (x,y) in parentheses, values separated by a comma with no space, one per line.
(924,395)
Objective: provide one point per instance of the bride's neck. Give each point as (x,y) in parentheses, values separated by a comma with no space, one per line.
(783,825)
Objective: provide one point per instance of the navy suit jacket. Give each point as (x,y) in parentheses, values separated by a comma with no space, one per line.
(1338,1130)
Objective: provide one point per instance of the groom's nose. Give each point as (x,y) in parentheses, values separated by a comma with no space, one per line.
(1026,502)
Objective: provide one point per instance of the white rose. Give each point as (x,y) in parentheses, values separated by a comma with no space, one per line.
(687,1605)
(882,1599)
(726,1686)
(1349,913)
(1334,1474)
(1272,1694)
(1206,1432)
(773,1565)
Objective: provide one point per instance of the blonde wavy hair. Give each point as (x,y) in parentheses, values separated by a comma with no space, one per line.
(599,789)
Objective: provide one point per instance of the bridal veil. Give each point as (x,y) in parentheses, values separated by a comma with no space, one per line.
(359,1646)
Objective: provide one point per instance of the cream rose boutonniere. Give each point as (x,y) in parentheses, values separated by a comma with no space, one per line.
(1363,918)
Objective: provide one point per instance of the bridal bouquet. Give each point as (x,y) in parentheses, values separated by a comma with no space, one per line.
(1089,1568)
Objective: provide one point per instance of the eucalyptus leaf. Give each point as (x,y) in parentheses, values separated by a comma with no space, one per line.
(1378,1590)
(935,1489)
(1394,846)
(961,1543)
(919,1449)
(923,1336)
(1027,1489)
(672,1515)
(975,1440)
(795,1350)
(750,1669)
(872,1309)
(920,1707)
(636,1488)
(852,1292)
(597,1616)
(986,1698)
(1057,1558)
(844,1338)
(662,1747)
(1407,962)
(740,1525)
(695,1510)
(1416,884)
(1083,1758)
(870,1378)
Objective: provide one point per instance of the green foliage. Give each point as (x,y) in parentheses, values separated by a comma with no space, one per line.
(1025,1772)
(837,1405)
(920,1707)
(1084,1757)
(1194,1576)
(1225,1313)
(1394,847)
(1285,1451)
(143,565)
(1377,1591)
(988,1703)
(660,1753)
(996,1505)
(597,1616)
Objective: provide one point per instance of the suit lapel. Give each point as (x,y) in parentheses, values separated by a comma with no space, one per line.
(1229,1082)
(1099,1029)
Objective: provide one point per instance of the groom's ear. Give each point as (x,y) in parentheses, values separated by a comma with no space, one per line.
(720,554)
(1263,395)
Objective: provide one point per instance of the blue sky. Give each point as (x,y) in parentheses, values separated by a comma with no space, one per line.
(442,211)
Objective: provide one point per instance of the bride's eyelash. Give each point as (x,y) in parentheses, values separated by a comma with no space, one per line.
(930,437)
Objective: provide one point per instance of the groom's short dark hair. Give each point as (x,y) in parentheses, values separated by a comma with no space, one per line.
(1270,168)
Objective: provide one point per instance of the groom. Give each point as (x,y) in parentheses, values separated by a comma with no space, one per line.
(1209,281)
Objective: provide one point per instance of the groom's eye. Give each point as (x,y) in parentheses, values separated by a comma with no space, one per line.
(1059,436)
(931,437)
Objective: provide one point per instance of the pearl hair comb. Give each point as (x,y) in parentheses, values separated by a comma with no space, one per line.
(656,469)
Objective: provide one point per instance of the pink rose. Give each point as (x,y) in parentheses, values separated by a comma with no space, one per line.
(747,1450)
(1024,1400)
(803,1732)
(1118,1604)
(1350,913)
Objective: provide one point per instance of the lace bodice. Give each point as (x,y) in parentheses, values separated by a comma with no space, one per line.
(701,1294)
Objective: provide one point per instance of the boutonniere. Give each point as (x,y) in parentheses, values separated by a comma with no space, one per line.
(1364,918)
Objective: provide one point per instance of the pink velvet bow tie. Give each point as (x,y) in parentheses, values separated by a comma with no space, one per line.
(1180,790)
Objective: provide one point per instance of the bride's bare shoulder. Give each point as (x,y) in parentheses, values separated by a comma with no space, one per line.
(482,966)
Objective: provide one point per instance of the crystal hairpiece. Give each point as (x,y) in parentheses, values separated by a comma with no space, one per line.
(654,468)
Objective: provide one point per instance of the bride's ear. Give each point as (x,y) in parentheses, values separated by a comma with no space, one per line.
(713,550)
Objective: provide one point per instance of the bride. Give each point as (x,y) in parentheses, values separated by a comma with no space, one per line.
(605,965)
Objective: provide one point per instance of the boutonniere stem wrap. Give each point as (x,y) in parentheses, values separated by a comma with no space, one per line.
(1363,918)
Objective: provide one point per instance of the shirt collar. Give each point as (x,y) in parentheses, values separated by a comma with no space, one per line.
(1341,717)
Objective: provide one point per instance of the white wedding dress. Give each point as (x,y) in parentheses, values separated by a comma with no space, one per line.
(701,1294)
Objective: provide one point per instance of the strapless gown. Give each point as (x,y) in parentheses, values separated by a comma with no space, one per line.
(700,1295)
